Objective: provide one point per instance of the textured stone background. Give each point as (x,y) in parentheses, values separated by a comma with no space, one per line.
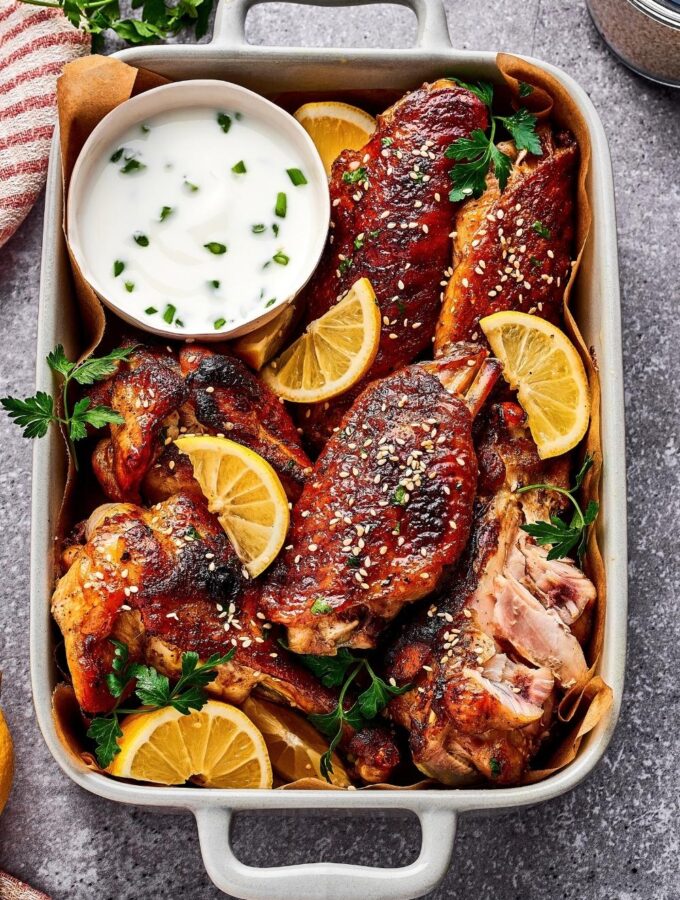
(615,836)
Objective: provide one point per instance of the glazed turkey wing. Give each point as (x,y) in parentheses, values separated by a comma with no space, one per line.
(391,223)
(387,508)
(489,655)
(513,250)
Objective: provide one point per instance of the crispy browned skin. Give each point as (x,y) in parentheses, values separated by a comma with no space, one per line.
(387,509)
(486,658)
(393,227)
(170,582)
(203,392)
(500,260)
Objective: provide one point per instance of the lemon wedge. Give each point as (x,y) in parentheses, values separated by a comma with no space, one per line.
(6,762)
(335,127)
(295,747)
(333,354)
(542,364)
(245,493)
(217,746)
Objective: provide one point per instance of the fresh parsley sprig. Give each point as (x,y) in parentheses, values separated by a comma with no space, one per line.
(476,154)
(342,669)
(562,536)
(154,692)
(159,18)
(35,414)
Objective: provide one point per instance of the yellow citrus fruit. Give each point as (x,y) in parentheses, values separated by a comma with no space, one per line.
(6,762)
(258,347)
(217,746)
(543,365)
(335,127)
(295,747)
(333,354)
(246,495)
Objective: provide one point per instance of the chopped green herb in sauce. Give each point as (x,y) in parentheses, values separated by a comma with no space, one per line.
(281,206)
(239,168)
(297,177)
(118,267)
(224,121)
(215,247)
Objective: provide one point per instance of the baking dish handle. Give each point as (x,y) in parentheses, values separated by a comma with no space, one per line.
(330,881)
(432,34)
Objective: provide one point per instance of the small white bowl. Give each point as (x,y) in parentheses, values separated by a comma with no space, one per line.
(212,94)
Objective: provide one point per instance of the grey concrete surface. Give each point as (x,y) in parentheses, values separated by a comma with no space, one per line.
(617,835)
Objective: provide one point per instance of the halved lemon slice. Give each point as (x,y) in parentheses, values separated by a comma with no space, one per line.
(335,127)
(295,747)
(245,493)
(543,365)
(217,746)
(333,354)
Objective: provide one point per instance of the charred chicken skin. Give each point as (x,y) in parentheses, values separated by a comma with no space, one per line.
(387,509)
(391,220)
(166,580)
(512,250)
(489,656)
(199,391)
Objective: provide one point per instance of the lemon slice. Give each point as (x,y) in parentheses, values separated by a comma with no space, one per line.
(295,747)
(6,762)
(543,365)
(335,127)
(333,354)
(258,347)
(217,746)
(245,493)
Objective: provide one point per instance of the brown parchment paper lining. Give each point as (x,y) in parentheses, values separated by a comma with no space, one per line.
(89,89)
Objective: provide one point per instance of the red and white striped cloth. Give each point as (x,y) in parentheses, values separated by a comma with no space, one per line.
(35,45)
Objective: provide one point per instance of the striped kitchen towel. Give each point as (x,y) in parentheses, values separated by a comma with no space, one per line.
(35,45)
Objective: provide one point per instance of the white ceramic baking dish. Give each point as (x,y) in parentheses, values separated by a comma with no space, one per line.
(596,304)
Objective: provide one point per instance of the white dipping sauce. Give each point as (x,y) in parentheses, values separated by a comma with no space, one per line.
(176,233)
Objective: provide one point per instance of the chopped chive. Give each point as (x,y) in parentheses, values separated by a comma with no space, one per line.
(118,267)
(297,177)
(141,239)
(129,286)
(224,121)
(169,313)
(132,165)
(399,497)
(541,230)
(355,175)
(239,168)
(145,129)
(359,242)
(270,302)
(214,283)
(345,265)
(215,247)
(165,212)
(219,323)
(275,229)
(150,310)
(354,562)
(387,142)
(320,607)
(258,229)
(116,155)
(281,258)
(281,205)
(179,323)
(192,187)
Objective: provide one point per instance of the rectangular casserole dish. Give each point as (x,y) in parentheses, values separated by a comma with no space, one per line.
(595,303)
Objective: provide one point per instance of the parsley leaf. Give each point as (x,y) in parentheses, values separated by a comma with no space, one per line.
(105,731)
(33,414)
(330,670)
(522,127)
(564,537)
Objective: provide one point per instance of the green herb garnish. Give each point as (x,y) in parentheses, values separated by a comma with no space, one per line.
(495,767)
(356,175)
(281,258)
(219,323)
(541,230)
(151,310)
(215,247)
(153,691)
(562,536)
(36,413)
(144,129)
(118,267)
(359,242)
(169,313)
(192,533)
(214,283)
(270,302)
(281,206)
(342,669)
(354,562)
(478,153)
(387,141)
(116,155)
(258,229)
(525,89)
(190,186)
(224,121)
(345,265)
(129,286)
(275,229)
(141,239)
(400,496)
(321,607)
(165,212)
(132,165)
(297,177)
(239,168)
